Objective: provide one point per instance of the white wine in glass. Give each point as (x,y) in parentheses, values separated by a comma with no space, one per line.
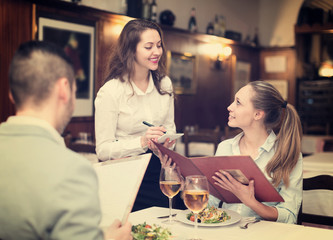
(196,194)
(170,183)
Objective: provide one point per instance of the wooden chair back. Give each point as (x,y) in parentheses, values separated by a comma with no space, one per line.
(79,146)
(316,129)
(230,132)
(196,134)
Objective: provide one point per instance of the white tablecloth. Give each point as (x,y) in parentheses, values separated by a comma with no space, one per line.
(318,163)
(318,202)
(263,230)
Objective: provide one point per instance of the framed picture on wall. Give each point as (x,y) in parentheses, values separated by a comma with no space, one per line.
(242,75)
(275,64)
(182,72)
(78,42)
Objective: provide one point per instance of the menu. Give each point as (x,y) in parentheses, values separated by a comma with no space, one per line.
(119,182)
(242,167)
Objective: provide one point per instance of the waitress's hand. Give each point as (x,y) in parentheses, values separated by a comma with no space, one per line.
(157,152)
(243,192)
(152,133)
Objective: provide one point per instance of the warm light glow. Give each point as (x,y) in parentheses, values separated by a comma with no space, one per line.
(187,54)
(210,50)
(326,69)
(116,29)
(218,49)
(226,51)
(218,53)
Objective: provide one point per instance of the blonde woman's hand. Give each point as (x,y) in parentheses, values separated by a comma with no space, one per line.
(156,151)
(166,161)
(243,192)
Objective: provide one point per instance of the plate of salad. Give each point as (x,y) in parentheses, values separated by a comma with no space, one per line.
(210,217)
(145,231)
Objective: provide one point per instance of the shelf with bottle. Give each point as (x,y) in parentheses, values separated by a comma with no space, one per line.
(204,37)
(153,11)
(145,10)
(192,24)
(315,28)
(149,10)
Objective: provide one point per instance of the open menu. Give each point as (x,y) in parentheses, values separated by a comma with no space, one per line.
(241,167)
(119,182)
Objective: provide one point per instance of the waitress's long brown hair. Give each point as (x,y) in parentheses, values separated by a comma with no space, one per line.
(282,116)
(123,56)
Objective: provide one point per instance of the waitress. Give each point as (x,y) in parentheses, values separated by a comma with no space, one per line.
(136,90)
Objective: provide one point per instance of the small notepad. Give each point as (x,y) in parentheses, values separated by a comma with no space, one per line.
(170,136)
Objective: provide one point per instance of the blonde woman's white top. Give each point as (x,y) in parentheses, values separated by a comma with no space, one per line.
(287,210)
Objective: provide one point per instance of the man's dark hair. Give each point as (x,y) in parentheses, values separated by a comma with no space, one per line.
(35,68)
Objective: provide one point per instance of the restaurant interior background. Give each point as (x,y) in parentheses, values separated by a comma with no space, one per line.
(294,38)
(292,50)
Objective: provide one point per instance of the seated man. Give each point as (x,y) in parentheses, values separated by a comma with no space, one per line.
(47,191)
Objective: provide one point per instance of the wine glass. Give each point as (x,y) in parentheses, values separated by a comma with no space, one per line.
(170,183)
(196,197)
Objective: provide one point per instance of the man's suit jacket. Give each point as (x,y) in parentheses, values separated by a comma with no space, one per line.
(47,191)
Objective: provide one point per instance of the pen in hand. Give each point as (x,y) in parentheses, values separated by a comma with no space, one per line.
(149,124)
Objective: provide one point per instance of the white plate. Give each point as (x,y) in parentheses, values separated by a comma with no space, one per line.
(234,218)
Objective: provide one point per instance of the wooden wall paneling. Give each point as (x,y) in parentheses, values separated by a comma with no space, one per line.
(207,108)
(80,124)
(213,95)
(289,74)
(303,71)
(106,25)
(71,12)
(197,108)
(250,55)
(15,19)
(109,28)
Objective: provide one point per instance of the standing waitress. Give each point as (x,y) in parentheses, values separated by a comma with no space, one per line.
(136,90)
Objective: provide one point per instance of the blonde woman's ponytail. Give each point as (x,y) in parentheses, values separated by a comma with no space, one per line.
(282,116)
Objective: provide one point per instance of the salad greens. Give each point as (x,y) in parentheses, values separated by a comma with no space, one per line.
(210,215)
(145,231)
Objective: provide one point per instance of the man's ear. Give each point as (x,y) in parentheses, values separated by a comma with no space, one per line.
(259,114)
(11,98)
(64,90)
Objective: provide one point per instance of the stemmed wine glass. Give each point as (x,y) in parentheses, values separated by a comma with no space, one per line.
(170,183)
(196,197)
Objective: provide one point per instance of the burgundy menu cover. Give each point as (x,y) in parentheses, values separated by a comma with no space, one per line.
(264,191)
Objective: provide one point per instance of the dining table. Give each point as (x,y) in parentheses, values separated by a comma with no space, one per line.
(265,230)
